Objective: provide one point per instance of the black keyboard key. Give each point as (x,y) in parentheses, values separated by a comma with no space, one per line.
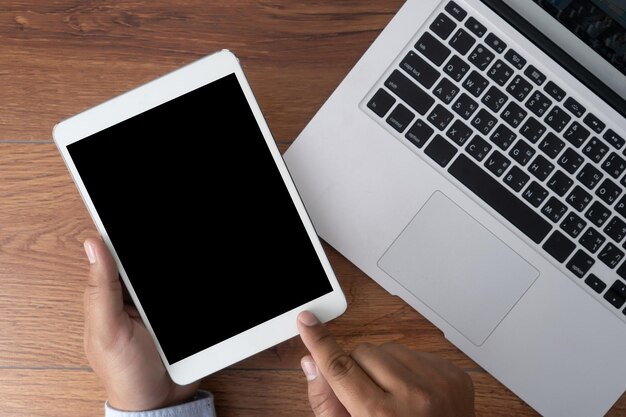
(615,300)
(494,99)
(535,75)
(574,107)
(576,134)
(408,91)
(598,214)
(620,288)
(432,49)
(541,167)
(559,246)
(532,130)
(462,41)
(475,27)
(554,210)
(481,57)
(608,191)
(497,163)
(440,117)
(535,194)
(578,198)
(538,103)
(594,123)
(443,26)
(381,102)
(620,207)
(440,150)
(459,132)
(614,165)
(554,91)
(616,294)
(464,106)
(595,149)
(589,176)
(503,137)
(516,178)
(592,240)
(610,255)
(400,118)
(456,68)
(557,119)
(484,122)
(419,69)
(570,160)
(621,271)
(456,11)
(580,263)
(513,114)
(495,43)
(475,83)
(478,148)
(616,229)
(522,152)
(445,90)
(573,225)
(614,139)
(500,72)
(499,198)
(551,145)
(595,283)
(519,88)
(419,133)
(560,183)
(515,59)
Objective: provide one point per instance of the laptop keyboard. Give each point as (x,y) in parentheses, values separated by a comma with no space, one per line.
(466,101)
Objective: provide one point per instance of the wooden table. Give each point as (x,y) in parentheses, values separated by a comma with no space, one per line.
(58,57)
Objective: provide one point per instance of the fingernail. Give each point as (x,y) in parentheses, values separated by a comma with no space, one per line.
(91,252)
(307,318)
(309,368)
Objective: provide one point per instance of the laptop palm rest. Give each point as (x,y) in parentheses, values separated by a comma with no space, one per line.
(459,269)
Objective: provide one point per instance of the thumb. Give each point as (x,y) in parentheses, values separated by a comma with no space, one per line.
(323,400)
(104,302)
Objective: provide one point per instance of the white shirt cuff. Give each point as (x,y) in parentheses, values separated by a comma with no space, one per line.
(201,406)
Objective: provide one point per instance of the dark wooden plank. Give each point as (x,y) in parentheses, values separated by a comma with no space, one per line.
(60,57)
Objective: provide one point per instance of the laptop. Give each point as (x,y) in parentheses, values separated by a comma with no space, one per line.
(473,163)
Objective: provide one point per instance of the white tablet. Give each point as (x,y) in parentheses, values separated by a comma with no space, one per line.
(187,187)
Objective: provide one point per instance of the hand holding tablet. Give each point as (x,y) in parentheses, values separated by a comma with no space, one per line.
(119,347)
(191,196)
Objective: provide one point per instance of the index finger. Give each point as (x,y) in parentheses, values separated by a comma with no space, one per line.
(349,381)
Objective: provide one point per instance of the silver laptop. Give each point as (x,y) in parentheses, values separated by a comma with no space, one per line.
(473,163)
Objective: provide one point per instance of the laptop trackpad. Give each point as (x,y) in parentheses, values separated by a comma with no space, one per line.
(459,269)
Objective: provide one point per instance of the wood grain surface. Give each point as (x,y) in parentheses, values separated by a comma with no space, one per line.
(59,57)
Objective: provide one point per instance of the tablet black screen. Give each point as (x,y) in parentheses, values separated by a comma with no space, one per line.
(192,174)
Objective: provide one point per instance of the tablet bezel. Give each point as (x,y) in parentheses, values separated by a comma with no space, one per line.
(153,94)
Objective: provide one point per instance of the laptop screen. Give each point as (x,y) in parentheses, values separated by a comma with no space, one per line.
(601,24)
